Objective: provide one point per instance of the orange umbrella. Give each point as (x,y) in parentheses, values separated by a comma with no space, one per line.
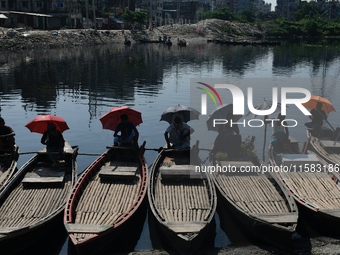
(326,104)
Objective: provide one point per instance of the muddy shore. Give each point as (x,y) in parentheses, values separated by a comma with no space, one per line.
(317,246)
(203,31)
(302,246)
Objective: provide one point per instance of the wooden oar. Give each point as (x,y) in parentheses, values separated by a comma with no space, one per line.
(44,152)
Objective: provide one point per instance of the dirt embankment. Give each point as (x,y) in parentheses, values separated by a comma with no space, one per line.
(202,31)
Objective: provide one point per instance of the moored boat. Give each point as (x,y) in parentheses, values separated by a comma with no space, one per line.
(257,201)
(34,199)
(314,186)
(107,200)
(182,201)
(8,165)
(181,42)
(326,145)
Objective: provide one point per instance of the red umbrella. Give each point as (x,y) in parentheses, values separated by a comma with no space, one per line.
(39,123)
(111,119)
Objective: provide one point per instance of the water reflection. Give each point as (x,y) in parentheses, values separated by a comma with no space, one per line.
(81,84)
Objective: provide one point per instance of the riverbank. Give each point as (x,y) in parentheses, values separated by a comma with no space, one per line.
(317,245)
(203,31)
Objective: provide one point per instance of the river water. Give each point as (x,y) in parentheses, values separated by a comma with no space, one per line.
(82,84)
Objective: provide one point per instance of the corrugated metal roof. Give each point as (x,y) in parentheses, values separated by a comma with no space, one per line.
(30,13)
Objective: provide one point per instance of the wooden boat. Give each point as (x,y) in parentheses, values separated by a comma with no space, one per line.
(8,165)
(258,202)
(315,188)
(107,199)
(181,42)
(326,145)
(183,202)
(148,41)
(34,199)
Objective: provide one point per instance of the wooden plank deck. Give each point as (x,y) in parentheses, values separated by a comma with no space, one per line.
(25,207)
(182,200)
(318,189)
(255,194)
(104,202)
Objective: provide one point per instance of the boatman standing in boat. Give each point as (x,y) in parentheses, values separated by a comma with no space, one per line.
(54,141)
(128,132)
(7,134)
(178,134)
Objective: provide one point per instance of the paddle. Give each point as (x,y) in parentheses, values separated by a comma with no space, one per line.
(154,149)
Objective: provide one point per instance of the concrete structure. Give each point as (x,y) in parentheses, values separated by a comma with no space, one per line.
(42,14)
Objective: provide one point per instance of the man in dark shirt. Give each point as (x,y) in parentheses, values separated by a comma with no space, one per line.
(54,141)
(318,115)
(6,136)
(128,132)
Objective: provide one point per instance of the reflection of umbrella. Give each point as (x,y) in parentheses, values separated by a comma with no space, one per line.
(111,119)
(185,112)
(39,123)
(221,112)
(326,104)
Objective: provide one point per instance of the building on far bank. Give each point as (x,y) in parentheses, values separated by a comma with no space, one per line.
(42,14)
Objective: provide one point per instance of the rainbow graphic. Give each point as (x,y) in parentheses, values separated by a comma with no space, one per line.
(204,97)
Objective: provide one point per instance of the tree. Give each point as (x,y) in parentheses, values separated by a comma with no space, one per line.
(248,16)
(134,17)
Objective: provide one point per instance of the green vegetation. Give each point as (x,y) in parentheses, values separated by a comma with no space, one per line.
(247,151)
(306,21)
(135,17)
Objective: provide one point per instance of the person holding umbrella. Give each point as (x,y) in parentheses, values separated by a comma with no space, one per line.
(177,135)
(318,115)
(128,132)
(54,141)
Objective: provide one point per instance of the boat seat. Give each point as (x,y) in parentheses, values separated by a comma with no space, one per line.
(277,218)
(114,171)
(334,212)
(44,175)
(330,143)
(299,159)
(8,230)
(178,172)
(185,227)
(86,228)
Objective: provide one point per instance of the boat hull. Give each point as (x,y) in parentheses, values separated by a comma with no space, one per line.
(114,230)
(175,228)
(254,230)
(40,203)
